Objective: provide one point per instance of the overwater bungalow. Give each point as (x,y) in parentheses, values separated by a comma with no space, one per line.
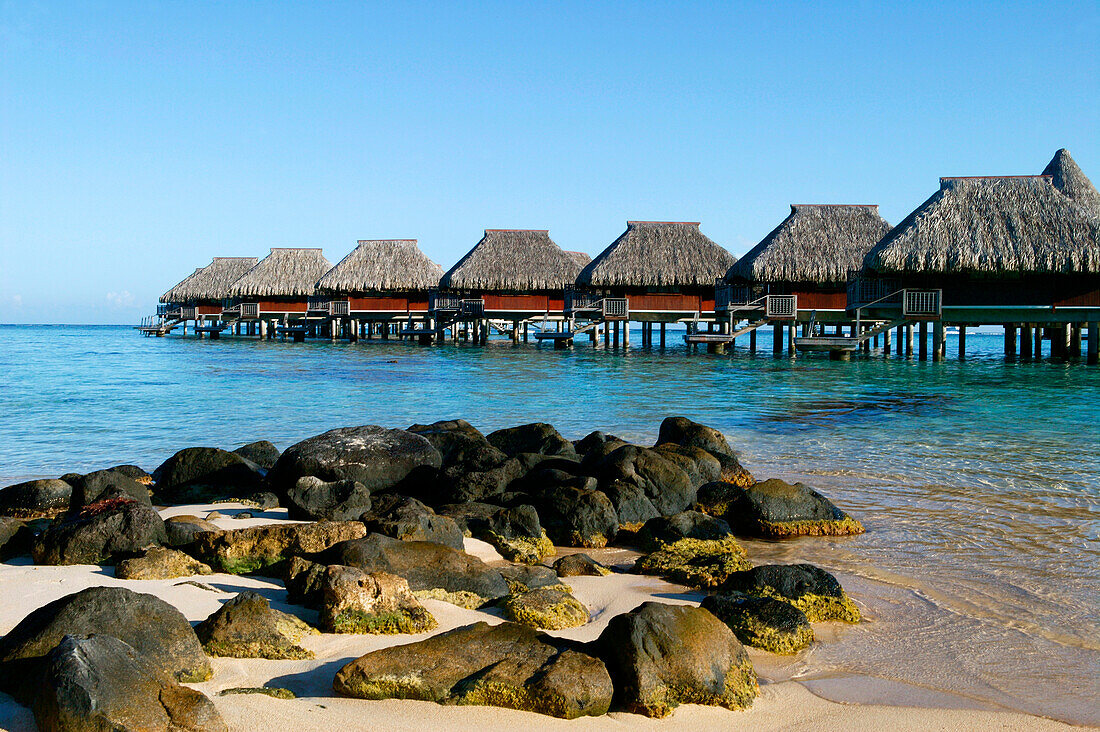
(275,292)
(381,284)
(513,276)
(800,270)
(200,297)
(1020,251)
(655,272)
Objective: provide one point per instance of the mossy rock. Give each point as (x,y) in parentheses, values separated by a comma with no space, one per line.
(811,589)
(579,565)
(546,608)
(273,691)
(775,509)
(413,620)
(695,562)
(248,627)
(522,549)
(462,598)
(354,601)
(762,622)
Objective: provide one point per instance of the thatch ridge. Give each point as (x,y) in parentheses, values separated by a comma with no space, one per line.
(581,258)
(816,243)
(513,260)
(1020,224)
(382,265)
(285,272)
(1072,181)
(658,254)
(212,282)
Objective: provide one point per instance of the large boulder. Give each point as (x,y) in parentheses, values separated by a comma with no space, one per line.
(460,444)
(458,484)
(15,537)
(199,474)
(572,511)
(134,473)
(159,562)
(248,627)
(36,499)
(101,484)
(549,608)
(432,570)
(579,565)
(302,579)
(182,529)
(377,457)
(524,577)
(682,431)
(762,622)
(99,682)
(156,630)
(105,531)
(506,665)
(244,551)
(261,453)
(695,562)
(701,467)
(631,503)
(810,589)
(684,525)
(313,499)
(354,601)
(514,532)
(666,485)
(408,519)
(661,656)
(539,437)
(775,509)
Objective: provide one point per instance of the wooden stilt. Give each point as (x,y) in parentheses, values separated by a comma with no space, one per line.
(962,342)
(1094,343)
(1010,341)
(1038,342)
(615,336)
(1075,340)
(663,335)
(752,342)
(626,334)
(1026,341)
(937,340)
(922,336)
(777,339)
(886,342)
(790,340)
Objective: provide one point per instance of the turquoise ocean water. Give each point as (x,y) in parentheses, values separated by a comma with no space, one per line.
(978,482)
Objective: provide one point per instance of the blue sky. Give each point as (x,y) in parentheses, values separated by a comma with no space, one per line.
(139,140)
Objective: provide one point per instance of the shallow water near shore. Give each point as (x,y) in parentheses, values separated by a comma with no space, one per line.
(978,482)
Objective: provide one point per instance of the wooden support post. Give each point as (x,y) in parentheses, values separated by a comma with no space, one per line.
(886,342)
(663,335)
(1075,340)
(1010,341)
(937,340)
(922,336)
(526,335)
(791,351)
(752,342)
(962,342)
(626,334)
(1038,342)
(1060,340)
(615,336)
(1026,341)
(866,345)
(1094,343)
(777,339)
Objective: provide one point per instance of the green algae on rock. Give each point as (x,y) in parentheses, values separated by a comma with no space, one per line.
(354,601)
(811,589)
(547,608)
(255,549)
(248,627)
(695,562)
(775,509)
(275,692)
(579,565)
(762,622)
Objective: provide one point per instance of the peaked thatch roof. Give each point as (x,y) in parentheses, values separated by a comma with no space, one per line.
(815,243)
(283,273)
(656,254)
(1017,224)
(516,260)
(580,258)
(211,282)
(1068,178)
(382,265)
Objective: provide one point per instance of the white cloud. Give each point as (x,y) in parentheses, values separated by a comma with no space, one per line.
(120,299)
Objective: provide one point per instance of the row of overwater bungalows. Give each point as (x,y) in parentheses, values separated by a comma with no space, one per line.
(1019,251)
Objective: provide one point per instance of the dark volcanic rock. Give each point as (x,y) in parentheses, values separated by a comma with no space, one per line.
(775,509)
(515,532)
(111,483)
(661,656)
(101,532)
(810,589)
(101,683)
(594,440)
(506,665)
(461,445)
(549,608)
(762,622)
(354,601)
(302,578)
(199,474)
(456,484)
(156,630)
(701,467)
(538,437)
(181,529)
(632,505)
(426,566)
(408,519)
(682,431)
(524,577)
(377,457)
(261,452)
(247,627)
(160,563)
(571,510)
(579,565)
(244,551)
(695,562)
(36,499)
(313,499)
(133,472)
(663,482)
(684,525)
(15,537)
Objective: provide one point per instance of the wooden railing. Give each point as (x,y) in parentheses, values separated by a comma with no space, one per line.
(780,307)
(922,303)
(444,301)
(864,290)
(727,297)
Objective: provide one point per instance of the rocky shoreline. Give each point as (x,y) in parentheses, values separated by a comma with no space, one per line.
(384,514)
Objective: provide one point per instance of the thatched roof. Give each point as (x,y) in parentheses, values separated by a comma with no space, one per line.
(992,225)
(514,260)
(1069,179)
(580,258)
(283,273)
(382,265)
(211,282)
(658,254)
(815,244)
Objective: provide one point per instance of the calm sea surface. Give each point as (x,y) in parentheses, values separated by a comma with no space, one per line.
(978,482)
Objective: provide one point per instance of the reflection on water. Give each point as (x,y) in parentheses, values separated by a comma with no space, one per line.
(979,483)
